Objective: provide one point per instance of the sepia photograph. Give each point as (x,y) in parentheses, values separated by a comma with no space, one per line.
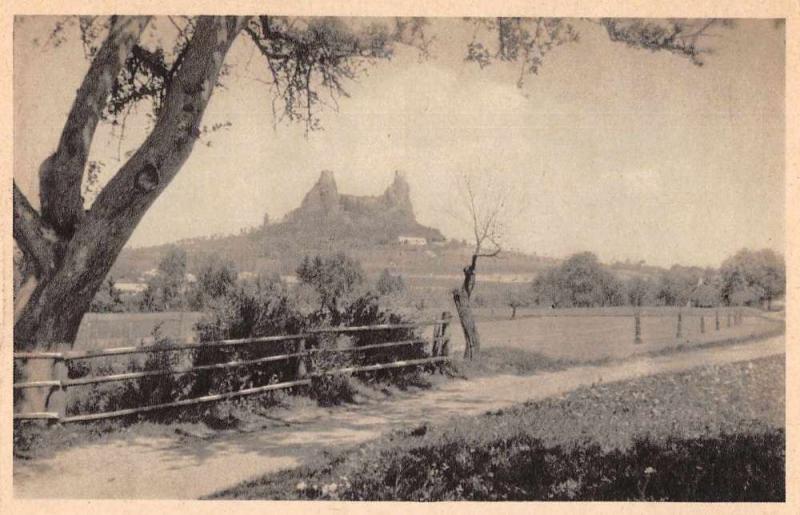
(290,257)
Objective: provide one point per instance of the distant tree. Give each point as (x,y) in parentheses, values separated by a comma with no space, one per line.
(336,279)
(580,281)
(516,298)
(588,283)
(753,277)
(640,291)
(172,275)
(108,299)
(547,290)
(388,283)
(215,278)
(166,290)
(676,285)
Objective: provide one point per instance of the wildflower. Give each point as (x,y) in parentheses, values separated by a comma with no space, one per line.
(649,470)
(301,485)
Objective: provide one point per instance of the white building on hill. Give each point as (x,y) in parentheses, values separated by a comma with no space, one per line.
(412,240)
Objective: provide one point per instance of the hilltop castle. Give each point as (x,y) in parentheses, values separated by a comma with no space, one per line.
(324,212)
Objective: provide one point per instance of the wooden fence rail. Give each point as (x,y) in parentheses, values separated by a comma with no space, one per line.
(53,407)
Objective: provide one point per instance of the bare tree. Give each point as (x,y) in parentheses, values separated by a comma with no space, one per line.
(485,212)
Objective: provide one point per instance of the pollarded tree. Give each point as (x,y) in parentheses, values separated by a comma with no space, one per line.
(69,247)
(484,210)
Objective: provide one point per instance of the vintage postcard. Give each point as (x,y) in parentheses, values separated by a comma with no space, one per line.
(346,253)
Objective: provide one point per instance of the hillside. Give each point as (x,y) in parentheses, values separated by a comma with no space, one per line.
(380,231)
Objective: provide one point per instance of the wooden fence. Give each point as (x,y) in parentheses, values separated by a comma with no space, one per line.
(734,317)
(53,379)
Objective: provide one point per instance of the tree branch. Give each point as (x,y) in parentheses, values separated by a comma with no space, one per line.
(679,37)
(144,176)
(33,236)
(61,174)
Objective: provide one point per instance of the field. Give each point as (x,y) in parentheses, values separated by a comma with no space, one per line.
(715,433)
(567,335)
(102,330)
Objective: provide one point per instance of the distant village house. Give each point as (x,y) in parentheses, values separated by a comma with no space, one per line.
(412,240)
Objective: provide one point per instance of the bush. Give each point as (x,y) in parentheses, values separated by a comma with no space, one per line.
(730,468)
(247,312)
(389,284)
(118,395)
(264,307)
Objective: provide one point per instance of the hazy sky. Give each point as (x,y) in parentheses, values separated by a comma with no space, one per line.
(627,153)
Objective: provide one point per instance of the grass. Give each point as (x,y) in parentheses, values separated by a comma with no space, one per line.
(500,360)
(587,339)
(711,434)
(519,361)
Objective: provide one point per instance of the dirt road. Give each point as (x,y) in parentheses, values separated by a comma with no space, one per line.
(187,467)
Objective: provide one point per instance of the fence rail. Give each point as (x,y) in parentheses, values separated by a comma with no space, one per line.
(54,406)
(118,351)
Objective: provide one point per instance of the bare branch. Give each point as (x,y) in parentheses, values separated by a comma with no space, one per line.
(61,175)
(680,37)
(34,237)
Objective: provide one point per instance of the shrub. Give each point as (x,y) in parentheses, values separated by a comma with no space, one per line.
(264,307)
(731,468)
(247,312)
(389,284)
(117,395)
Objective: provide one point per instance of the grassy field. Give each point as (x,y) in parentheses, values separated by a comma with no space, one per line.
(599,335)
(711,434)
(534,340)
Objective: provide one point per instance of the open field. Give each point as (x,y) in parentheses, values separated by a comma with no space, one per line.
(564,334)
(102,330)
(597,336)
(713,433)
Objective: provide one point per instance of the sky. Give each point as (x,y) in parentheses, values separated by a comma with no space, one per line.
(623,152)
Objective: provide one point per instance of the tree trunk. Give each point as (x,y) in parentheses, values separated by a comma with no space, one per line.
(73,271)
(461,297)
(472,343)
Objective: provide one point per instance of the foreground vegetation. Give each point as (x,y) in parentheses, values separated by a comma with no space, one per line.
(712,434)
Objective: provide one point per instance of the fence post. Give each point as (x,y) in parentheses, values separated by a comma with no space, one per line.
(57,400)
(438,329)
(49,399)
(702,324)
(302,369)
(637,328)
(729,318)
(441,338)
(679,332)
(716,320)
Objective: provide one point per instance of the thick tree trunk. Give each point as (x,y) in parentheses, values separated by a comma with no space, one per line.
(65,289)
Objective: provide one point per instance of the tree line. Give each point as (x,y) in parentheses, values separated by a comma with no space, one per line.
(327,284)
(748,278)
